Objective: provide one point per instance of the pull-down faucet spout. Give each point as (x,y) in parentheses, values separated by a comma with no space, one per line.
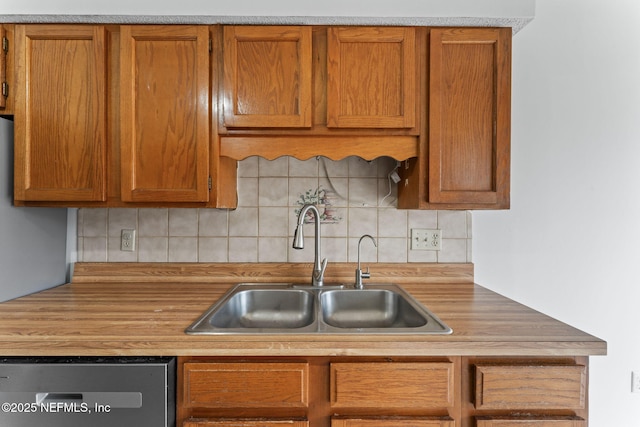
(317,277)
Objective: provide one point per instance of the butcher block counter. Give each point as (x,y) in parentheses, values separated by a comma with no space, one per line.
(143,309)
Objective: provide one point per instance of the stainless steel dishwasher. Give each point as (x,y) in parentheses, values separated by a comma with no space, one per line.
(81,392)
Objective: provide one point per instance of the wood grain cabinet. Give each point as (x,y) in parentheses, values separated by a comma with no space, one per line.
(267,77)
(372,80)
(317,392)
(528,392)
(465,161)
(60,113)
(164,113)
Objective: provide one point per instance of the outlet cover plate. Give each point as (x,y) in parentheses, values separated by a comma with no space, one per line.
(423,239)
(128,240)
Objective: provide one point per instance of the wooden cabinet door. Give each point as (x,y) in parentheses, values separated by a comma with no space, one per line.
(60,121)
(469,116)
(165,104)
(392,385)
(392,422)
(371,77)
(267,77)
(246,385)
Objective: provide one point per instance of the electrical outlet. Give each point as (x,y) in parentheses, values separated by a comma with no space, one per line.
(635,382)
(425,240)
(127,240)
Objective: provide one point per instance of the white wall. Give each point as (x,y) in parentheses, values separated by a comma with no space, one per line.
(32,240)
(570,245)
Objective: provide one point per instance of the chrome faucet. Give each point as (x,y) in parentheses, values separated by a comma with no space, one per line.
(359,273)
(317,277)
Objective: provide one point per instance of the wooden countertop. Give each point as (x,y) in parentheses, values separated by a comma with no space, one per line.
(143,309)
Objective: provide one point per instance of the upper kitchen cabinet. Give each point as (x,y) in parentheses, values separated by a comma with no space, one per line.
(372,77)
(60,113)
(164,113)
(465,146)
(267,77)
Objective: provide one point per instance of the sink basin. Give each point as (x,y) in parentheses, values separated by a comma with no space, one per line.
(259,310)
(369,308)
(289,309)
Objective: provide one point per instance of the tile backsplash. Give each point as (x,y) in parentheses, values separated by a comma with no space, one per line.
(354,196)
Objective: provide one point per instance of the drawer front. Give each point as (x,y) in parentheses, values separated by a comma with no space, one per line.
(246,385)
(504,422)
(392,385)
(530,387)
(244,423)
(395,422)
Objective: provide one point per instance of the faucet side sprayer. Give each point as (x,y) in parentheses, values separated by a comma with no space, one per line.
(317,277)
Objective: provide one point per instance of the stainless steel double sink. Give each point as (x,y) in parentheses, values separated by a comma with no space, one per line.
(282,308)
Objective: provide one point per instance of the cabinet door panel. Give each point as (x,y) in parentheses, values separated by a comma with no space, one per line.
(530,387)
(165,113)
(395,422)
(60,123)
(513,422)
(469,116)
(267,77)
(392,385)
(246,385)
(371,77)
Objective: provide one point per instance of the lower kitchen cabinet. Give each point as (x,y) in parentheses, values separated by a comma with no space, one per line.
(383,392)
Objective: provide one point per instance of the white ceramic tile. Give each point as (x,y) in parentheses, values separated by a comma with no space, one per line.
(453,250)
(243,222)
(273,221)
(153,222)
(116,255)
(213,222)
(213,249)
(422,256)
(248,192)
(272,249)
(362,168)
(243,249)
(183,222)
(80,224)
(303,168)
(453,224)
(183,249)
(298,188)
(333,168)
(335,229)
(274,168)
(363,221)
(423,219)
(391,249)
(94,249)
(273,191)
(368,251)
(248,168)
(336,190)
(333,249)
(120,218)
(95,222)
(363,192)
(385,166)
(392,223)
(153,249)
(387,193)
